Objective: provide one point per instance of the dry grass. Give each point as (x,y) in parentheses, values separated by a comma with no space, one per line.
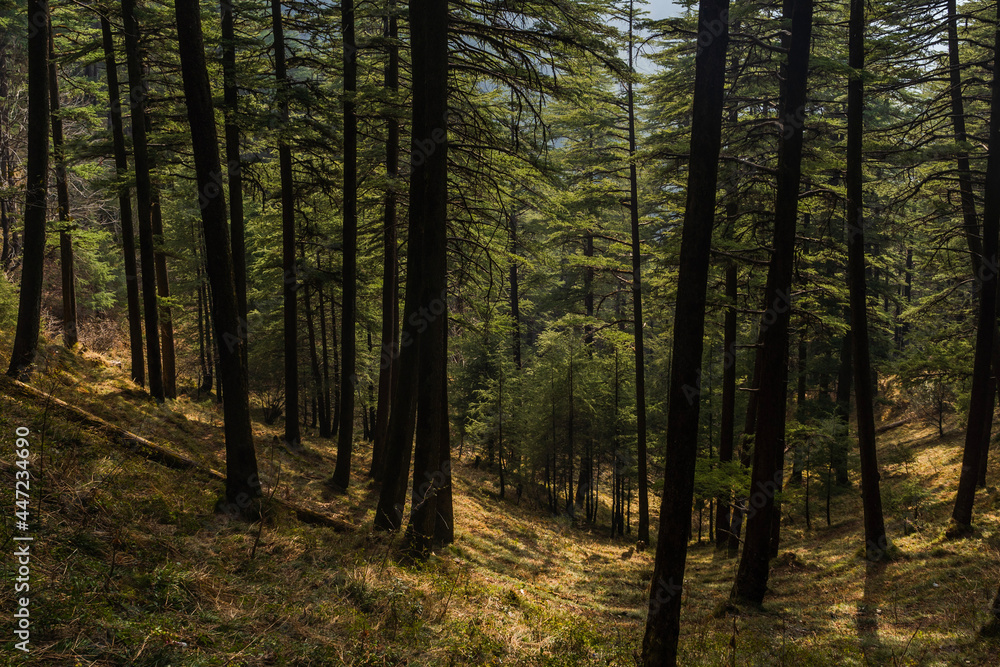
(133,568)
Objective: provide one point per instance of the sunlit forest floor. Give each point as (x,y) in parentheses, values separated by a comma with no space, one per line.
(132,567)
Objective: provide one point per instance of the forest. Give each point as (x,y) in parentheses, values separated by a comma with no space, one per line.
(496,332)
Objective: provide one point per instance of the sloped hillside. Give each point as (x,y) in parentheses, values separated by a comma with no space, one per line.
(131,567)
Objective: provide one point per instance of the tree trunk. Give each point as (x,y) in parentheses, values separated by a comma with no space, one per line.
(390,262)
(845,380)
(766,478)
(980,414)
(163,292)
(6,208)
(515,299)
(348,378)
(663,621)
(431,514)
(144,198)
(290,282)
(66,226)
(124,207)
(875,538)
(242,481)
(29,308)
(325,427)
(234,163)
(728,423)
(637,320)
(421,385)
(972,235)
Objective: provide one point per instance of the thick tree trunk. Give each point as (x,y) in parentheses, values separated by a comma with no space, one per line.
(69,318)
(972,232)
(29,308)
(390,259)
(242,482)
(144,198)
(659,645)
(428,203)
(875,539)
(980,413)
(766,478)
(124,206)
(290,283)
(348,378)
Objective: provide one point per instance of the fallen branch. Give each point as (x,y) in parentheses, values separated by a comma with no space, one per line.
(896,424)
(152,451)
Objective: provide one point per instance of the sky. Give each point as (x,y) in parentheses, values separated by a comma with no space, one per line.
(659,9)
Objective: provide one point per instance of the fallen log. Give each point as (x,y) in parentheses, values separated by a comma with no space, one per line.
(152,451)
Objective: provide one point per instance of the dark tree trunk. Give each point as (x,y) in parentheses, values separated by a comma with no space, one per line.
(875,538)
(981,413)
(348,378)
(290,282)
(29,308)
(319,417)
(845,380)
(421,385)
(766,478)
(800,398)
(663,621)
(637,321)
(66,226)
(431,514)
(242,482)
(390,261)
(144,198)
(6,207)
(727,426)
(234,164)
(325,430)
(124,207)
(163,292)
(515,298)
(972,235)
(991,219)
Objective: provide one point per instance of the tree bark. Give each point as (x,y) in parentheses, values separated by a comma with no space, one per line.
(766,478)
(144,198)
(234,162)
(980,414)
(290,282)
(66,226)
(727,425)
(390,258)
(124,206)
(428,208)
(637,320)
(876,542)
(659,645)
(242,481)
(348,378)
(29,308)
(163,292)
